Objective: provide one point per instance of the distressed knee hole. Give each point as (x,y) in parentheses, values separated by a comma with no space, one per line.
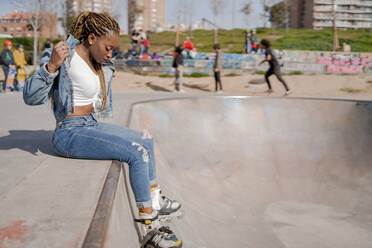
(145,154)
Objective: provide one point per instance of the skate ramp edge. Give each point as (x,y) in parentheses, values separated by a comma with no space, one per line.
(265,172)
(112,224)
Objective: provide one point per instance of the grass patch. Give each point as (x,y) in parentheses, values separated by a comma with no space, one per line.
(247,86)
(296,73)
(138,82)
(232,41)
(369,82)
(351,90)
(259,72)
(233,74)
(165,76)
(141,73)
(197,75)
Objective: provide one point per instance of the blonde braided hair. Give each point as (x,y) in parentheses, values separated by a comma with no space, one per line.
(98,24)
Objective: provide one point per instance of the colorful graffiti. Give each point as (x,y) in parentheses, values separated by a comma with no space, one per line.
(345,64)
(304,61)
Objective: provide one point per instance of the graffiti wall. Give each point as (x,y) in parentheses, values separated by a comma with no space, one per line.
(345,64)
(291,61)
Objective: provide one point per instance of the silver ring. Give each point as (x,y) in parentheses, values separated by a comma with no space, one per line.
(63,47)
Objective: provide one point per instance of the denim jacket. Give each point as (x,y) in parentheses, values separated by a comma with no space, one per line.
(42,85)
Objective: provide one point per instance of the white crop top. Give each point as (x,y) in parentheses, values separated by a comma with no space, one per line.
(85,84)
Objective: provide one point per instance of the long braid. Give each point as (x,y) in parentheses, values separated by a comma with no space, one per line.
(98,24)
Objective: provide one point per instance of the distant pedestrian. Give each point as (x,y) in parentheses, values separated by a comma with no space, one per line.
(254,41)
(8,62)
(247,42)
(47,52)
(218,67)
(134,42)
(178,65)
(146,45)
(274,67)
(189,47)
(141,38)
(20,62)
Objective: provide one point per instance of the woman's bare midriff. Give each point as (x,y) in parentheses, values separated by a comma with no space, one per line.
(82,110)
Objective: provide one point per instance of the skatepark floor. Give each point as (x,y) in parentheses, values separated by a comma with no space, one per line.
(249,171)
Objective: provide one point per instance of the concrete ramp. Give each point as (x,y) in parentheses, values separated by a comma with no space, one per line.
(265,172)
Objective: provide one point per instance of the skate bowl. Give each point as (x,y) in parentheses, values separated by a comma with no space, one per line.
(265,172)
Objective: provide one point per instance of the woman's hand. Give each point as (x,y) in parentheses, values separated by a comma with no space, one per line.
(59,53)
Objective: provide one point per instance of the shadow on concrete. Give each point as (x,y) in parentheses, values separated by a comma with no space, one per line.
(30,141)
(198,87)
(157,87)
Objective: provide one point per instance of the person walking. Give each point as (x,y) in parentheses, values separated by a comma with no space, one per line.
(8,62)
(77,80)
(274,67)
(20,62)
(218,67)
(178,66)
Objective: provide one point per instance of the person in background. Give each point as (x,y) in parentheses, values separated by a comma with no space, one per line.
(248,46)
(155,56)
(47,52)
(189,47)
(141,38)
(20,62)
(8,61)
(274,67)
(218,67)
(146,44)
(134,42)
(178,65)
(254,41)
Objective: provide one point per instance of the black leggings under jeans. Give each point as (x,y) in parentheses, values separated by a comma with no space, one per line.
(217,77)
(275,70)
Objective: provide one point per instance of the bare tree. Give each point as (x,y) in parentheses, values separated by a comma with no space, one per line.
(36,10)
(216,6)
(179,15)
(335,35)
(134,9)
(266,13)
(246,10)
(64,15)
(233,18)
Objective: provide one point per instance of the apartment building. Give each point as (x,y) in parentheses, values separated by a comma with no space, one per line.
(301,14)
(75,7)
(150,15)
(18,24)
(317,14)
(350,14)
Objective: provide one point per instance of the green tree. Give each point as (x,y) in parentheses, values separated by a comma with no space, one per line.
(278,14)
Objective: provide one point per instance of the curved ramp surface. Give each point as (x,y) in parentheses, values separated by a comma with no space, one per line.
(265,172)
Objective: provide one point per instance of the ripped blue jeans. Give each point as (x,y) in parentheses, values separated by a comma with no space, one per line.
(82,137)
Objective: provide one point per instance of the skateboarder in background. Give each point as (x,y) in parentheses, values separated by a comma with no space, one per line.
(178,65)
(8,61)
(274,66)
(218,67)
(78,93)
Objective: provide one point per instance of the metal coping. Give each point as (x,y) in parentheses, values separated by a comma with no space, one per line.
(96,234)
(241,97)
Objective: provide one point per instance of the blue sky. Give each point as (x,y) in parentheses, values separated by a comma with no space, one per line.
(201,9)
